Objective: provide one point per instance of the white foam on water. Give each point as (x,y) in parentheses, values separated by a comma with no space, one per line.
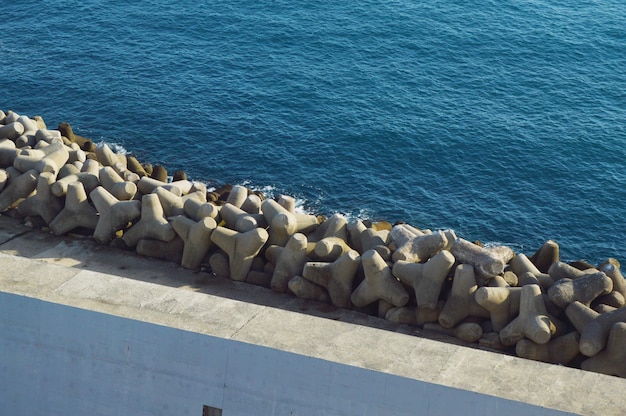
(115,147)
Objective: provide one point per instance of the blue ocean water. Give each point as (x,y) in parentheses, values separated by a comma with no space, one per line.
(502,120)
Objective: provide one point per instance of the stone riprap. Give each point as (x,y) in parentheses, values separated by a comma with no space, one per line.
(535,306)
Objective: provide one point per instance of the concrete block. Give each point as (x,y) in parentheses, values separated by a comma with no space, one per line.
(420,248)
(43,203)
(241,248)
(237,195)
(165,250)
(289,262)
(114,215)
(594,335)
(88,179)
(466,331)
(306,289)
(583,289)
(501,302)
(283,224)
(19,188)
(532,322)
(116,185)
(196,236)
(151,225)
(334,226)
(238,219)
(560,270)
(330,248)
(336,277)
(379,283)
(77,211)
(487,262)
(354,229)
(561,350)
(461,303)
(611,268)
(426,279)
(196,210)
(612,360)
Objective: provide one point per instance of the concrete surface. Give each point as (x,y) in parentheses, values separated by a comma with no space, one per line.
(287,340)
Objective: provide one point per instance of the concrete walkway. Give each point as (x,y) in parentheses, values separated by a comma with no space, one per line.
(81,273)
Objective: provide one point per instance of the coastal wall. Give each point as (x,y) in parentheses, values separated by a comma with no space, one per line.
(62,360)
(80,336)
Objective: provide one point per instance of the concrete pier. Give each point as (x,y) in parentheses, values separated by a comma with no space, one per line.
(90,329)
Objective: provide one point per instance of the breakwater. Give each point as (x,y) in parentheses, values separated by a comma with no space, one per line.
(532,305)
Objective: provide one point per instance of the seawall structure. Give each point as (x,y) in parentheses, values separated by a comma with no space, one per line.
(534,306)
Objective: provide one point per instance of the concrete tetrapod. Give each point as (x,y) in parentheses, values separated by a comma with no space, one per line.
(42,203)
(172,204)
(330,248)
(583,289)
(401,234)
(196,210)
(501,302)
(77,211)
(354,229)
(488,262)
(594,336)
(252,204)
(287,202)
(4,177)
(134,166)
(547,254)
(165,250)
(196,236)
(334,226)
(425,278)
(151,225)
(66,131)
(580,315)
(305,289)
(337,277)
(106,156)
(240,220)
(421,247)
(379,283)
(11,131)
(560,270)
(147,185)
(241,248)
(88,179)
(612,360)
(372,239)
(612,269)
(116,185)
(18,188)
(521,264)
(114,215)
(404,315)
(8,153)
(542,279)
(237,196)
(289,262)
(461,302)
(532,321)
(47,159)
(466,331)
(561,350)
(283,224)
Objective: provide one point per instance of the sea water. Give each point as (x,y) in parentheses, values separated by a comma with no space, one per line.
(503,120)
